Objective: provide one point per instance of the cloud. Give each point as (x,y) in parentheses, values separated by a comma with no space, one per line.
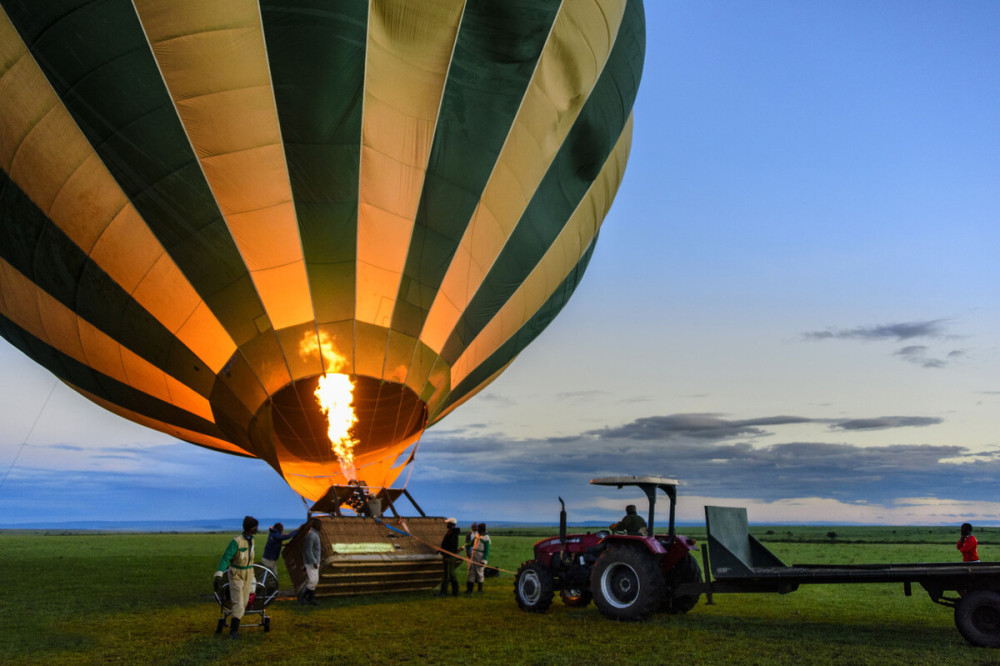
(699,426)
(916,354)
(898,332)
(884,422)
(723,458)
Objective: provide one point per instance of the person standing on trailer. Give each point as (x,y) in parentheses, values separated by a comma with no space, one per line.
(238,561)
(272,549)
(312,554)
(968,545)
(480,555)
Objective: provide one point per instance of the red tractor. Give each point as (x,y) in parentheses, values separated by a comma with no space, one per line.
(629,576)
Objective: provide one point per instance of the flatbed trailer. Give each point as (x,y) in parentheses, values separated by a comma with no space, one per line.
(736,562)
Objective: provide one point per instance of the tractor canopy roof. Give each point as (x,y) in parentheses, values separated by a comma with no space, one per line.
(634,481)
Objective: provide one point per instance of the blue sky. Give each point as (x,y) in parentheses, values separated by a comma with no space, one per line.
(792,306)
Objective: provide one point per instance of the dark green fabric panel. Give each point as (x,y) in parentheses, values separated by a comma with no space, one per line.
(36,247)
(495,54)
(527,333)
(96,57)
(316,52)
(571,174)
(105,387)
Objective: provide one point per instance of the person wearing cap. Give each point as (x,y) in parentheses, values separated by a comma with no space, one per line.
(632,523)
(238,562)
(272,549)
(449,544)
(480,554)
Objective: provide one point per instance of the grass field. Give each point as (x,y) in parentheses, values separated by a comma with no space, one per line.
(146,598)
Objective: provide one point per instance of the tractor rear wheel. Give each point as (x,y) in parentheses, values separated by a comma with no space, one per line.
(627,584)
(576,598)
(977,616)
(685,571)
(534,587)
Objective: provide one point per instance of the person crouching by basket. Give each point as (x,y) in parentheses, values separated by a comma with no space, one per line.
(238,561)
(272,549)
(480,554)
(311,557)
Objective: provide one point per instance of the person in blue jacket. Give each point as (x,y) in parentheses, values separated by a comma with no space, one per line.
(272,549)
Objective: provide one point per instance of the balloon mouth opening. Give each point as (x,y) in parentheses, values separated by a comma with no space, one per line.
(387,414)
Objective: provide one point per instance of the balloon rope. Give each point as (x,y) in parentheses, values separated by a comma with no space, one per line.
(413,461)
(440,550)
(31,430)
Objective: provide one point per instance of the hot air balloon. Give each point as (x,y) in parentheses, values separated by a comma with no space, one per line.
(207,209)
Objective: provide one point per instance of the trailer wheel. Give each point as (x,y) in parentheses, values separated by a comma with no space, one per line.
(685,571)
(627,584)
(576,598)
(534,587)
(977,616)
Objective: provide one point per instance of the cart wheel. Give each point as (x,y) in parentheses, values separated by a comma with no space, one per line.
(220,625)
(977,616)
(267,624)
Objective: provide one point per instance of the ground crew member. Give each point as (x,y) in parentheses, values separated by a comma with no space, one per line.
(238,561)
(968,545)
(480,554)
(449,544)
(632,523)
(312,553)
(272,549)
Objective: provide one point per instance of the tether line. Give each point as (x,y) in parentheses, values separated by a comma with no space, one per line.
(31,430)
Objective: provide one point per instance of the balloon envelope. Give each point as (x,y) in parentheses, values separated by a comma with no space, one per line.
(206,206)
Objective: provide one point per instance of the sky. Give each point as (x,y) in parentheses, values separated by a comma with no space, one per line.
(792,306)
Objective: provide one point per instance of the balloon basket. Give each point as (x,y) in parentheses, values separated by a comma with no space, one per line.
(369,553)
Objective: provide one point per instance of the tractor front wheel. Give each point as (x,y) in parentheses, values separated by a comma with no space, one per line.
(534,587)
(977,616)
(627,584)
(576,598)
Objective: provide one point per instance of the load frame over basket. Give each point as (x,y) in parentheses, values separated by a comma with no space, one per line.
(266,591)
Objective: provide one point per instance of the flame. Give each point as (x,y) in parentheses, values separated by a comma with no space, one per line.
(312,343)
(335,394)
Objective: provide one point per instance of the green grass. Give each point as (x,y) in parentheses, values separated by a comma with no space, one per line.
(146,598)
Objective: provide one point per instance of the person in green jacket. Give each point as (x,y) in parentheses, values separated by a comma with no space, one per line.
(480,555)
(238,561)
(632,523)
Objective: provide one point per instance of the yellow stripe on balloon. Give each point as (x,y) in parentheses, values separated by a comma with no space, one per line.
(170,429)
(555,266)
(551,104)
(213,60)
(50,321)
(56,167)
(408,53)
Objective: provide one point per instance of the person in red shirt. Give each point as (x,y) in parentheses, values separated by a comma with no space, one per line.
(967,545)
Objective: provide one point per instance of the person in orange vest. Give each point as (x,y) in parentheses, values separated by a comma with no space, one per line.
(238,561)
(968,545)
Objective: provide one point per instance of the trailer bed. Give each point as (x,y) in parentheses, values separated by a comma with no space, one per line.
(740,563)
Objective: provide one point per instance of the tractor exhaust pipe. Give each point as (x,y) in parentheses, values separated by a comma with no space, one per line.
(562,525)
